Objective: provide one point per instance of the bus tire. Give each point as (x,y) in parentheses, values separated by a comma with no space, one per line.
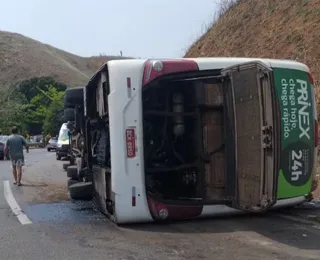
(67,104)
(74,96)
(72,160)
(81,191)
(69,114)
(72,172)
(71,182)
(65,166)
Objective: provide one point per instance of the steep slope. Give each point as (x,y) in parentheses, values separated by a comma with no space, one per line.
(22,58)
(283,29)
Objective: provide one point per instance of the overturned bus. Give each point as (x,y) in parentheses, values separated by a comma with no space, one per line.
(186,138)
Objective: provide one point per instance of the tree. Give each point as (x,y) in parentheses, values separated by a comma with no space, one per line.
(54,113)
(39,94)
(30,87)
(12,110)
(34,105)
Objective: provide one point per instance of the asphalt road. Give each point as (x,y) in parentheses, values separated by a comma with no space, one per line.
(61,229)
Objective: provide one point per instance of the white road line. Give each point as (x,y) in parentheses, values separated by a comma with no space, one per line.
(23,218)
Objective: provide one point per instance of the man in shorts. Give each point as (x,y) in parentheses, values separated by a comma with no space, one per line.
(15,144)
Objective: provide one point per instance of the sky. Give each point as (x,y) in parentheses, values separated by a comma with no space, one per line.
(138,28)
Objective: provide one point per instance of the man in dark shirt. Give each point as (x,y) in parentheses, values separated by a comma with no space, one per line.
(15,145)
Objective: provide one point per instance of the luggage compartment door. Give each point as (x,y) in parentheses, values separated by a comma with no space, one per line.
(252,170)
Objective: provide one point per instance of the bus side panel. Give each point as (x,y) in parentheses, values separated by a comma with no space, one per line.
(125,113)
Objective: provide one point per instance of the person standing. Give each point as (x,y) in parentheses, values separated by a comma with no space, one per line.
(15,144)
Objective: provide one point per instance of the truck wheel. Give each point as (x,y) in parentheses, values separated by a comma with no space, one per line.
(2,158)
(81,191)
(69,114)
(74,96)
(71,182)
(72,172)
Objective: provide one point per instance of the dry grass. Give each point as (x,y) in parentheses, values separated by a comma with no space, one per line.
(224,7)
(316,193)
(280,29)
(22,58)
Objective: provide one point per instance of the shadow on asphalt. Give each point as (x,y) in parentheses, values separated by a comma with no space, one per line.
(269,225)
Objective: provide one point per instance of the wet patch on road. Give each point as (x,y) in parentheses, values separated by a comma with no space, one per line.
(65,211)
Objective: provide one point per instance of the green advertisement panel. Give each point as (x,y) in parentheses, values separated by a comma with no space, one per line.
(294,93)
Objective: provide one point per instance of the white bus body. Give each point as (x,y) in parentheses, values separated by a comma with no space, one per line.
(126,80)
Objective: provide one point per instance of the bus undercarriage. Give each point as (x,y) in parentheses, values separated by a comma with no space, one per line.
(184,144)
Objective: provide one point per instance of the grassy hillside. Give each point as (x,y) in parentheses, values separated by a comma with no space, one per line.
(22,58)
(281,29)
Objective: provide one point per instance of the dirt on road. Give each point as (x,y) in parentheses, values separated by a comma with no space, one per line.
(46,191)
(44,180)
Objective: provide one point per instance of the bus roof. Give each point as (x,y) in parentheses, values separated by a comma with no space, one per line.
(207,63)
(223,62)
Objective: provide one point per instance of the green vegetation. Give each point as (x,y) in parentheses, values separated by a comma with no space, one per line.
(54,113)
(12,110)
(34,105)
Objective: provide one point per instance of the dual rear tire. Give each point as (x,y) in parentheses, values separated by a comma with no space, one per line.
(58,157)
(78,190)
